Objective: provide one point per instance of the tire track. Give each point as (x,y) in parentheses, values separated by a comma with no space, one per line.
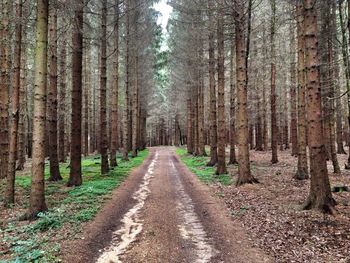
(131,223)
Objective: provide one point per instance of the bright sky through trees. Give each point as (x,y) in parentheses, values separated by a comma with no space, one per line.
(165,10)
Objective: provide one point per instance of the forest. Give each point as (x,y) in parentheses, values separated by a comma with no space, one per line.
(174,131)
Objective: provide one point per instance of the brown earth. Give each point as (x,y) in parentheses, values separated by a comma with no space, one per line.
(181,221)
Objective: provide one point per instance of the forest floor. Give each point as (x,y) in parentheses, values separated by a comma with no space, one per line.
(69,210)
(163,213)
(271,211)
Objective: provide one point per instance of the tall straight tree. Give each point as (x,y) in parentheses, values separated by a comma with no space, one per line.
(10,190)
(115,90)
(244,172)
(52,98)
(75,176)
(293,88)
(345,56)
(4,89)
(62,104)
(103,92)
(320,196)
(302,169)
(37,202)
(212,88)
(347,68)
(274,127)
(233,159)
(221,165)
(135,87)
(22,130)
(126,134)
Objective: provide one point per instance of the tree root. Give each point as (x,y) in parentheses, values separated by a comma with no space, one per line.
(250,180)
(301,175)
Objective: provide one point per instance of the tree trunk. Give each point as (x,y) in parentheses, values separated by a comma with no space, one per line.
(244,173)
(75,176)
(52,99)
(274,127)
(62,105)
(233,159)
(87,88)
(37,191)
(10,189)
(115,91)
(126,134)
(221,167)
(302,170)
(201,130)
(103,93)
(264,99)
(21,153)
(331,40)
(320,196)
(293,90)
(190,144)
(4,91)
(212,89)
(135,108)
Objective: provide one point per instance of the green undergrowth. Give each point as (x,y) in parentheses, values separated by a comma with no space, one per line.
(197,165)
(68,209)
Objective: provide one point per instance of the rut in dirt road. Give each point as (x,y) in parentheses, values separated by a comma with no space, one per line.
(191,227)
(132,224)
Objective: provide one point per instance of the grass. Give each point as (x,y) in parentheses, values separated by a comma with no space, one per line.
(197,165)
(68,209)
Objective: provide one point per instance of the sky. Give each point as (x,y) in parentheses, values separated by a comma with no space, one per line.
(165,10)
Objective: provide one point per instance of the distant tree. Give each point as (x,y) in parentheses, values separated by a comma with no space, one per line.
(274,127)
(115,90)
(212,88)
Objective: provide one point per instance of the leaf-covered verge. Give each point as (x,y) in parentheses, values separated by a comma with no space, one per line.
(271,211)
(69,208)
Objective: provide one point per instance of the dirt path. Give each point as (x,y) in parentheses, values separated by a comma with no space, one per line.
(163,214)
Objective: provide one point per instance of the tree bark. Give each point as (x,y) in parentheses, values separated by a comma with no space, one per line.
(4,91)
(115,91)
(62,105)
(293,90)
(244,172)
(10,189)
(212,89)
(75,176)
(302,170)
(103,93)
(126,134)
(21,153)
(221,165)
(52,99)
(87,88)
(320,196)
(233,159)
(37,202)
(274,127)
